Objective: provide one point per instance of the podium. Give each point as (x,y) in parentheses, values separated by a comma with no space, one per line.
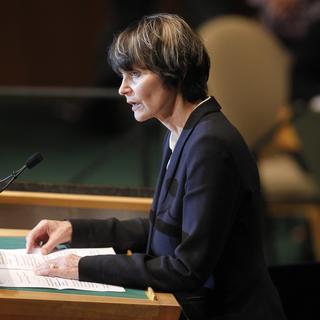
(20,303)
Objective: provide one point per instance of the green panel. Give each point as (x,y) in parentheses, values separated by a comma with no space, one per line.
(12,242)
(74,153)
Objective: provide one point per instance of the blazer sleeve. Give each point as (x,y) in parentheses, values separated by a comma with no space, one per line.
(209,207)
(121,235)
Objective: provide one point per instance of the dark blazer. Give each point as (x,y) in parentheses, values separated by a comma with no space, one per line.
(203,239)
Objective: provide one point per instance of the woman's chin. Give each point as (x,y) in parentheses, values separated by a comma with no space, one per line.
(140,117)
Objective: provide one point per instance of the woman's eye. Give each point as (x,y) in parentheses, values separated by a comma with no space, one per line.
(135,74)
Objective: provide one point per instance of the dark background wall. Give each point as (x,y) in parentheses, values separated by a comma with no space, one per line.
(51,42)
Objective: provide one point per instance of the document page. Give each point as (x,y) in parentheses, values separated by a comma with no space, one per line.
(16,270)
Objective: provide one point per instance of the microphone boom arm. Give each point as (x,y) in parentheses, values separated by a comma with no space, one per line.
(30,163)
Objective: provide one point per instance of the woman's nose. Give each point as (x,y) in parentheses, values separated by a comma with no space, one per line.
(124,88)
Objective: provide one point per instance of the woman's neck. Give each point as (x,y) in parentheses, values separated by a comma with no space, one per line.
(180,114)
(181,111)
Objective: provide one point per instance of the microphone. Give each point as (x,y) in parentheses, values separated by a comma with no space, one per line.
(30,163)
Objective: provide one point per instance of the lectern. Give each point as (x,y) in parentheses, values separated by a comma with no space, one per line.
(65,305)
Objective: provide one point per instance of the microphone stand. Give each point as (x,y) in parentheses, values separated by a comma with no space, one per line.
(4,183)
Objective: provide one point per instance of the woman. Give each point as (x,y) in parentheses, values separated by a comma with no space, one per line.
(202,240)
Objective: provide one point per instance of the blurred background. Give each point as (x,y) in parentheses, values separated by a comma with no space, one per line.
(58,96)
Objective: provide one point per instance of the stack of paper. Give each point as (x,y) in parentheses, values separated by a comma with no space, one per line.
(16,270)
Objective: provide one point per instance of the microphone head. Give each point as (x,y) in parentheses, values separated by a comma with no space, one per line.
(34,160)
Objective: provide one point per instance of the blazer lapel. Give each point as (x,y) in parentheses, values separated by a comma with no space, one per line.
(209,106)
(163,168)
(166,174)
(165,158)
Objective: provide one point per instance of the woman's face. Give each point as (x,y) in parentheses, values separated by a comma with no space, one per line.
(147,94)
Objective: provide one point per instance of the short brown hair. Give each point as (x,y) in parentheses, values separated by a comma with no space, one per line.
(166,45)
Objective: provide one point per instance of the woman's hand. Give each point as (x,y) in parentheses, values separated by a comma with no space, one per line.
(62,267)
(47,234)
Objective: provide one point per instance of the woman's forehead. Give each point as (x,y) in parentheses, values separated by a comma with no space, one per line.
(133,68)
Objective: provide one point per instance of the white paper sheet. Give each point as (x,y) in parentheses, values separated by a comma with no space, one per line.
(16,270)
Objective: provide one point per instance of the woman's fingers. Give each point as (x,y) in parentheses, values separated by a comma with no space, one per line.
(48,234)
(36,236)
